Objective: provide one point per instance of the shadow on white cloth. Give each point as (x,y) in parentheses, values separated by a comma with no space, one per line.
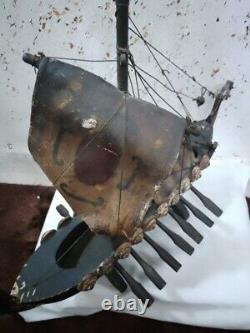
(213,286)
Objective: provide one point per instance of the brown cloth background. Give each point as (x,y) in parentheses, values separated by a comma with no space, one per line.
(22,213)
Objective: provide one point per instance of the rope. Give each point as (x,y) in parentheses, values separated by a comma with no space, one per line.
(163,84)
(145,82)
(173,63)
(159,65)
(84,60)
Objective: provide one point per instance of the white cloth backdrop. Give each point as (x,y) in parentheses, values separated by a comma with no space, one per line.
(213,286)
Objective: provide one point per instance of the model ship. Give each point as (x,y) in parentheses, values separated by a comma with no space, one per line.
(121,163)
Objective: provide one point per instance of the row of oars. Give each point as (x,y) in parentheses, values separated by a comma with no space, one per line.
(180,213)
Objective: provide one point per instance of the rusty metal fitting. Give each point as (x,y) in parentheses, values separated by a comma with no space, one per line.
(163,209)
(175,199)
(149,224)
(137,237)
(87,283)
(196,173)
(123,251)
(105,267)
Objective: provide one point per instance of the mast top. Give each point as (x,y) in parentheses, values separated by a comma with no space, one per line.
(122,12)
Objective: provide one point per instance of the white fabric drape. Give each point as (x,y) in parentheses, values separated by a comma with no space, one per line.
(213,286)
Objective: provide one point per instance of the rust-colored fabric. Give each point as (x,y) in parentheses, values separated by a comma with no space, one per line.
(22,212)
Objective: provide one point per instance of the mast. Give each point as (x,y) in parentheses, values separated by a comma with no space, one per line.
(122,10)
